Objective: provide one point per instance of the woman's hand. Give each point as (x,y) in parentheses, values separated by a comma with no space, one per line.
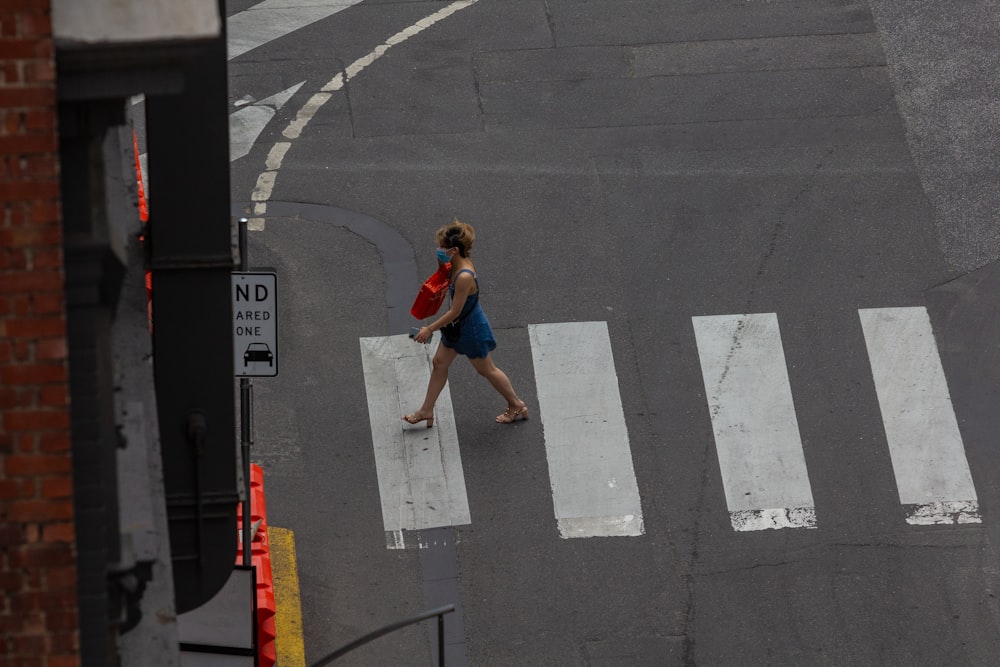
(424,335)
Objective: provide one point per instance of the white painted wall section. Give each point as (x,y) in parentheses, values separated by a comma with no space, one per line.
(594,490)
(419,469)
(753,417)
(117,22)
(928,457)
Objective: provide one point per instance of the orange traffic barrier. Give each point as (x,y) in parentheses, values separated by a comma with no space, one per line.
(143,209)
(260,557)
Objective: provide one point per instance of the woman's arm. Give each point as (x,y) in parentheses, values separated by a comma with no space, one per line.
(463,287)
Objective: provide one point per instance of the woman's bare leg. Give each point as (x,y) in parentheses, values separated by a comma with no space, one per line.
(439,377)
(501,383)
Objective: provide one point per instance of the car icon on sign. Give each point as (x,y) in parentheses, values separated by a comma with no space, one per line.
(258,352)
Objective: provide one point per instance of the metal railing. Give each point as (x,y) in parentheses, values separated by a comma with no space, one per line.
(439,612)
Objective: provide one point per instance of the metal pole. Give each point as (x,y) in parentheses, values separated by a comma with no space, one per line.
(347,648)
(440,640)
(246,419)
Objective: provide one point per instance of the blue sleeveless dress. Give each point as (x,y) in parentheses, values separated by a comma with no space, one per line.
(475,339)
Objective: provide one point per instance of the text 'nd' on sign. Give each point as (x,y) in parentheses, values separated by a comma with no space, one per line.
(255,324)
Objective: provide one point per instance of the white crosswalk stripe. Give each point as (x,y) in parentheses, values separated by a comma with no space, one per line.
(594,490)
(756,431)
(420,476)
(928,458)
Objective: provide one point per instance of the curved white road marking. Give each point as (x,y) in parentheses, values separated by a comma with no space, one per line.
(266,180)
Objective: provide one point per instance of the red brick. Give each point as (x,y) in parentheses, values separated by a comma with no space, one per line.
(59,532)
(61,620)
(9,625)
(48,258)
(6,355)
(34,420)
(11,398)
(54,442)
(11,535)
(35,235)
(11,72)
(43,165)
(26,6)
(36,465)
(25,145)
(39,72)
(36,327)
(58,600)
(47,303)
(11,49)
(28,190)
(40,120)
(9,489)
(33,374)
(27,444)
(53,396)
(40,510)
(45,211)
(11,581)
(50,348)
(34,25)
(23,349)
(29,644)
(61,578)
(14,259)
(30,281)
(64,660)
(35,96)
(26,601)
(22,304)
(57,487)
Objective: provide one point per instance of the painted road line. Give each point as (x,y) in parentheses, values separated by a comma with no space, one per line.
(753,417)
(289,644)
(928,458)
(594,491)
(273,19)
(265,181)
(420,477)
(247,122)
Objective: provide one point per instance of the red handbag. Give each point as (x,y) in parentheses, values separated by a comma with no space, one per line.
(431,294)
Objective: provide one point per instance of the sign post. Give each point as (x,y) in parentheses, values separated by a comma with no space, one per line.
(255,350)
(255,324)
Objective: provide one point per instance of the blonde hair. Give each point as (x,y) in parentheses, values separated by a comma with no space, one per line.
(459,235)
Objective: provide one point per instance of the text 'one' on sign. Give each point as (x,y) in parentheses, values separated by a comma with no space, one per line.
(255,324)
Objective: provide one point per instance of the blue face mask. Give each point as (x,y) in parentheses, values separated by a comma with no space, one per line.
(443,256)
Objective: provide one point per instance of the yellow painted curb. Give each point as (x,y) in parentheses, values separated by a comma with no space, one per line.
(289,644)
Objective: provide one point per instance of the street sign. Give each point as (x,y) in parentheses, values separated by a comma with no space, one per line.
(255,324)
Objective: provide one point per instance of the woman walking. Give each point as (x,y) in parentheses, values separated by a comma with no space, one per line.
(474,336)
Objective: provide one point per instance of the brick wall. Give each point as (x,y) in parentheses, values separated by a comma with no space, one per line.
(38,599)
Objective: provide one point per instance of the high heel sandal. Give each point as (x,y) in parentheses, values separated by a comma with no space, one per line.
(510,415)
(416,419)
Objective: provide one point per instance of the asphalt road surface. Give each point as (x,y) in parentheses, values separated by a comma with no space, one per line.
(739,259)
